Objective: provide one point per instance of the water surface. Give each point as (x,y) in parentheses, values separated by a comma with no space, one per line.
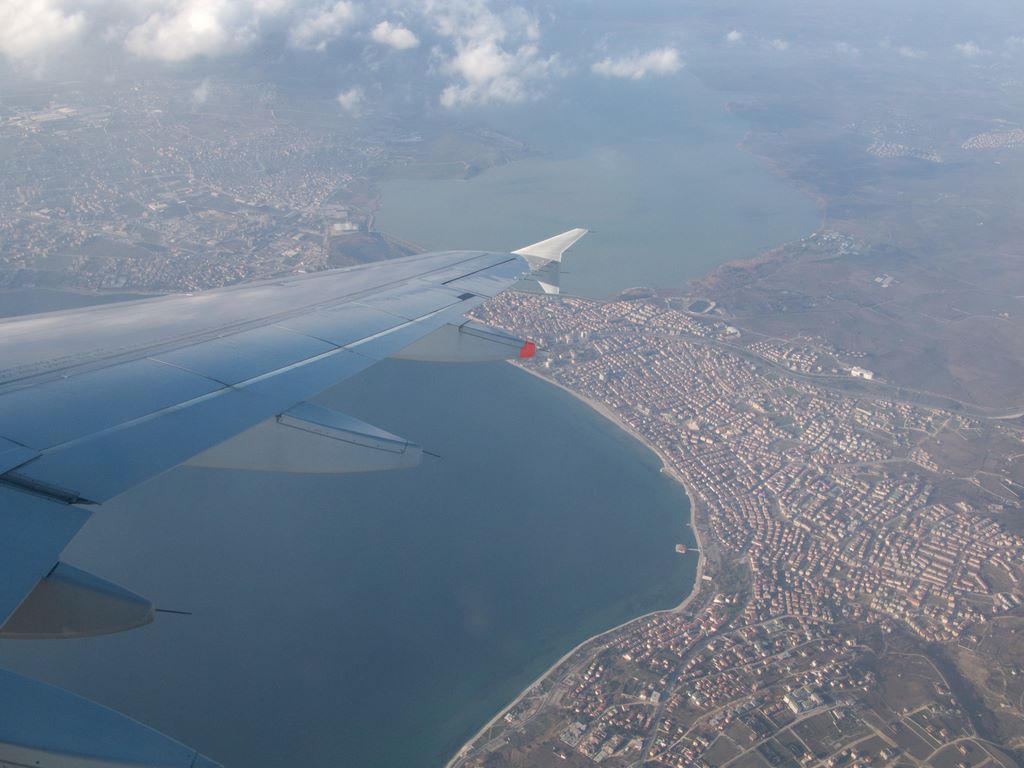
(380,619)
(652,167)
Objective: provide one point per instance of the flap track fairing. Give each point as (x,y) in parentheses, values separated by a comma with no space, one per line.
(310,439)
(71,603)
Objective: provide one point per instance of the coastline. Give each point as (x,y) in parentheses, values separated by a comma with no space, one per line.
(698,580)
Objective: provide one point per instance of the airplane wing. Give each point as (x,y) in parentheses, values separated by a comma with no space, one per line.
(96,401)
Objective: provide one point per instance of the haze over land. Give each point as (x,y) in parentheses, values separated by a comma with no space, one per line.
(843,404)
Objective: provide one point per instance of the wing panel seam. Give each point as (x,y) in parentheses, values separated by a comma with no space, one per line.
(476,271)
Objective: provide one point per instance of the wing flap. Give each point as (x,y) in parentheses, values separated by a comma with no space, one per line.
(12,454)
(47,726)
(35,532)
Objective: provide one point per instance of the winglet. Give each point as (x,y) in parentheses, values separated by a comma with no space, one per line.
(550,250)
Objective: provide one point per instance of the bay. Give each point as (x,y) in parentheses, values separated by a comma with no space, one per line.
(653,167)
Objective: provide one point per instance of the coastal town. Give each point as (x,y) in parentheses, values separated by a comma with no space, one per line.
(853,564)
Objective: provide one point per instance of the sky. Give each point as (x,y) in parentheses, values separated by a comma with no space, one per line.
(468,53)
(475,52)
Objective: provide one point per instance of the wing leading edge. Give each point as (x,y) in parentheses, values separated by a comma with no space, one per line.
(96,401)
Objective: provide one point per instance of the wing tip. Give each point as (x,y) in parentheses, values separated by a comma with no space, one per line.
(552,249)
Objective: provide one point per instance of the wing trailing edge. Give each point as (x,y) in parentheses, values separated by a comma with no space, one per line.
(467,342)
(41,725)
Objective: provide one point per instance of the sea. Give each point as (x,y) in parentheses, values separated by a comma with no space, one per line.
(379,620)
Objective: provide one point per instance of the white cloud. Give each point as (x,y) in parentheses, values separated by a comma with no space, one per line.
(31,29)
(487,51)
(779,44)
(161,30)
(845,49)
(492,57)
(398,37)
(735,36)
(969,50)
(910,53)
(660,61)
(351,100)
(186,29)
(490,74)
(201,93)
(315,29)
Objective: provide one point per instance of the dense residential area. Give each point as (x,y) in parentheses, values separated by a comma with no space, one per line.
(165,186)
(838,542)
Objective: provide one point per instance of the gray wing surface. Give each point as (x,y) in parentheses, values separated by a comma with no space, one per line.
(129,391)
(96,401)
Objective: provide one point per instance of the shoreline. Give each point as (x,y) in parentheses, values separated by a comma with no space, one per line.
(698,580)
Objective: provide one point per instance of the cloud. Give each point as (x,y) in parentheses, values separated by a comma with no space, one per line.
(735,36)
(398,37)
(201,93)
(969,50)
(191,28)
(30,29)
(910,53)
(159,30)
(490,74)
(351,100)
(315,29)
(845,49)
(779,44)
(486,51)
(491,57)
(660,61)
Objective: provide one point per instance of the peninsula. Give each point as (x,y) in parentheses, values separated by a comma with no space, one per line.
(853,570)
